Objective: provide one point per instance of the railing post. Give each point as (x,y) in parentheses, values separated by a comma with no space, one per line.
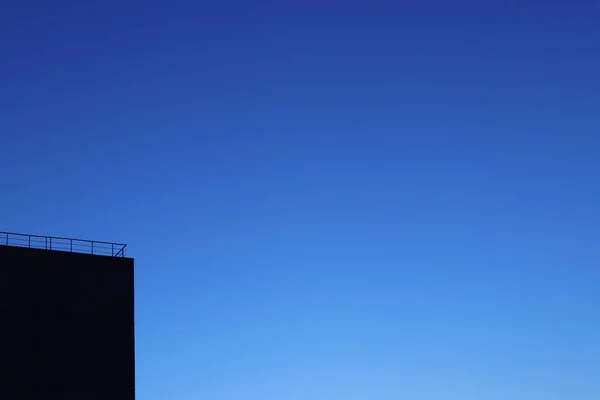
(7,239)
(50,243)
(92,247)
(71,245)
(29,245)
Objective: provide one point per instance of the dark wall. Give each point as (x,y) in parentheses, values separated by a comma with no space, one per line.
(66,326)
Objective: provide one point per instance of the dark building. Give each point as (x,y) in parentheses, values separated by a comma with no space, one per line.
(66,319)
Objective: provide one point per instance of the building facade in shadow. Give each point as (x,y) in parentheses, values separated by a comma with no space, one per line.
(67,312)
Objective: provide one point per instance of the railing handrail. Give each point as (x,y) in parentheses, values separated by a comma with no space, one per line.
(103,248)
(61,238)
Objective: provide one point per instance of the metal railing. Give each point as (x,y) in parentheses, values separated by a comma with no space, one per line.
(62,244)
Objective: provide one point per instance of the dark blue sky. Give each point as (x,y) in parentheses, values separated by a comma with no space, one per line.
(325,200)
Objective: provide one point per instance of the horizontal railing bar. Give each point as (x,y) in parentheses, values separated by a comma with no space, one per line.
(61,238)
(80,245)
(60,245)
(63,244)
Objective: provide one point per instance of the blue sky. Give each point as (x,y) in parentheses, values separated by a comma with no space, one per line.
(325,200)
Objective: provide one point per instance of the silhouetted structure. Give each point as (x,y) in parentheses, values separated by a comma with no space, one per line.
(67,319)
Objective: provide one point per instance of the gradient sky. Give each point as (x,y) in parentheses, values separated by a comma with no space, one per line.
(325,200)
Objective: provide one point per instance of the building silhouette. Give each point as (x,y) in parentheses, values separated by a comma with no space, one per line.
(67,319)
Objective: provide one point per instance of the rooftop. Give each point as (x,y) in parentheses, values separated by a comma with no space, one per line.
(62,244)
